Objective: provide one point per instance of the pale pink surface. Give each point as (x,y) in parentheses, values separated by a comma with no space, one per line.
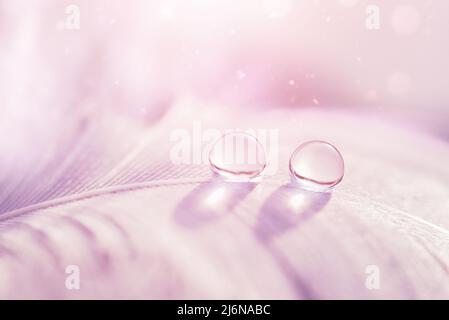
(86,179)
(156,235)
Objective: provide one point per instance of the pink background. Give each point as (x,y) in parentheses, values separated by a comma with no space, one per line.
(85,121)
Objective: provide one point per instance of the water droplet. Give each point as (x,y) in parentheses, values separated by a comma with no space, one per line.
(316,166)
(238,156)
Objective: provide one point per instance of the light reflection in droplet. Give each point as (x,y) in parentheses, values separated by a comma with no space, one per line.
(316,166)
(238,157)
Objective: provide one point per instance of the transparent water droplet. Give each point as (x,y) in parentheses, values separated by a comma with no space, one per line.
(316,166)
(238,156)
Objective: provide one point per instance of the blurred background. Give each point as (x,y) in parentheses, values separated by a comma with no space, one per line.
(138,57)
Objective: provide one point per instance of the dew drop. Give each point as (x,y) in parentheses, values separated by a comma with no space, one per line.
(316,166)
(238,156)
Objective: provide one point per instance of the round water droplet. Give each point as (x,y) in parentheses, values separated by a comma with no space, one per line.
(316,166)
(238,156)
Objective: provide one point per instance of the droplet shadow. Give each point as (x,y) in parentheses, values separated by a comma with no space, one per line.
(284,209)
(210,201)
(287,207)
